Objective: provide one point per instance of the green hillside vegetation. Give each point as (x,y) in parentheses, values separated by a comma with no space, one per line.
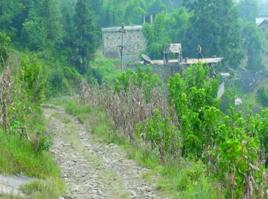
(201,146)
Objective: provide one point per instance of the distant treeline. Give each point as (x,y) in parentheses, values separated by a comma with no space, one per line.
(71,28)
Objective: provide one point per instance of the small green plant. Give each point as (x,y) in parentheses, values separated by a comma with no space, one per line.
(160,132)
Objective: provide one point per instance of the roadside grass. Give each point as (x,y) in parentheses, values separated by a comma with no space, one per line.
(81,111)
(176,178)
(8,197)
(19,157)
(44,189)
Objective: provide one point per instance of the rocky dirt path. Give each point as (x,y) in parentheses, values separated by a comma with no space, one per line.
(93,170)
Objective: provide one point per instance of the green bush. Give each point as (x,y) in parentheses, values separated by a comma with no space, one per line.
(4,45)
(144,79)
(193,95)
(160,132)
(229,144)
(31,79)
(62,80)
(262,96)
(106,69)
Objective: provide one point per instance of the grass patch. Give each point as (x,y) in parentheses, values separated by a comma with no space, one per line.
(81,111)
(178,179)
(18,156)
(43,189)
(8,197)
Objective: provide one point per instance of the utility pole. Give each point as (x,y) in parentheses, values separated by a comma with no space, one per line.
(121,47)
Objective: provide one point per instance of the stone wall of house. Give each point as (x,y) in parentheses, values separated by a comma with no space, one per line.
(163,71)
(166,71)
(133,41)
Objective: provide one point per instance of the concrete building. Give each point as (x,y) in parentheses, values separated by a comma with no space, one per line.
(132,38)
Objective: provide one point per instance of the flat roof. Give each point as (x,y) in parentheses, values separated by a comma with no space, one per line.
(189,61)
(260,19)
(117,28)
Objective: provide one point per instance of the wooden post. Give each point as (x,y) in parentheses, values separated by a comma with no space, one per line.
(121,47)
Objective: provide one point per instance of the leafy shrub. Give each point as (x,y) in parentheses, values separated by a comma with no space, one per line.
(230,144)
(32,79)
(144,79)
(235,155)
(4,44)
(57,83)
(260,124)
(107,69)
(262,96)
(62,80)
(160,132)
(24,112)
(193,95)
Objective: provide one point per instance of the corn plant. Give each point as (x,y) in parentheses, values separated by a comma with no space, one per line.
(5,97)
(131,101)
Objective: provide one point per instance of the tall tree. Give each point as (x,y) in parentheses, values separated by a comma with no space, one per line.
(9,12)
(86,35)
(253,45)
(248,10)
(166,28)
(67,43)
(215,27)
(42,27)
(157,35)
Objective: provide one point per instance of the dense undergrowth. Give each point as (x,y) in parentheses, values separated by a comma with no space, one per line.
(28,79)
(24,142)
(198,148)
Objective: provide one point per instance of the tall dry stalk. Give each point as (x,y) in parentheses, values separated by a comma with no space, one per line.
(5,97)
(127,108)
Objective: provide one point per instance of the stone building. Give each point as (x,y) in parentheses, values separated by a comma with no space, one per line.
(134,43)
